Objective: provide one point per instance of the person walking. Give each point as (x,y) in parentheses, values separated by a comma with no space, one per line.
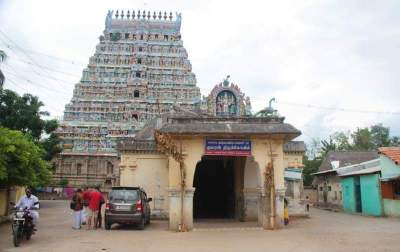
(77,201)
(93,209)
(99,215)
(307,203)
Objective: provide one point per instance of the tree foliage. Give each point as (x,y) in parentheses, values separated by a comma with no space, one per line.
(21,160)
(27,141)
(310,166)
(23,113)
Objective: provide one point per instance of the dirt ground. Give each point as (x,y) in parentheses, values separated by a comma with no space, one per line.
(324,231)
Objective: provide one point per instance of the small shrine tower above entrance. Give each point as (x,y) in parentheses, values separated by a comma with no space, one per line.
(227,100)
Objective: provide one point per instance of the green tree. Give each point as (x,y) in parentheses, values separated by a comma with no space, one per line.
(395,141)
(21,160)
(341,140)
(380,135)
(24,113)
(327,146)
(310,166)
(371,138)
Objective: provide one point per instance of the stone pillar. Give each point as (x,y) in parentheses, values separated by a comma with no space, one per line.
(193,150)
(174,195)
(251,203)
(261,157)
(263,210)
(280,189)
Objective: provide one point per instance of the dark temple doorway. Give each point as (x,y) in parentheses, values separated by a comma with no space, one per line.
(217,188)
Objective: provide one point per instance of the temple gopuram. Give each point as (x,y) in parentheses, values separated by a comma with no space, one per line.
(139,70)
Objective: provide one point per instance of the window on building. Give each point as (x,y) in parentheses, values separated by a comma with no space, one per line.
(329,188)
(141,36)
(110,168)
(139,61)
(126,35)
(136,94)
(137,74)
(165,37)
(321,188)
(66,168)
(340,195)
(336,195)
(78,169)
(140,49)
(156,36)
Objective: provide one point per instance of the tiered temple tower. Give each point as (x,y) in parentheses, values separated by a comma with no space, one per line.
(139,70)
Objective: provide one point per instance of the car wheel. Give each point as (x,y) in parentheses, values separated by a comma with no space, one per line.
(141,224)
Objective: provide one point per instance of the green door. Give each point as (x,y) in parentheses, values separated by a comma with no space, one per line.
(371,195)
(349,198)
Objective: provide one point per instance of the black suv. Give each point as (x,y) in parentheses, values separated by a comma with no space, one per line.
(127,205)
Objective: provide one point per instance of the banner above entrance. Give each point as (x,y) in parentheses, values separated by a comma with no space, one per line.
(228,147)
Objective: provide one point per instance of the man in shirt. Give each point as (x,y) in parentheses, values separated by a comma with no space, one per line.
(86,199)
(94,203)
(30,202)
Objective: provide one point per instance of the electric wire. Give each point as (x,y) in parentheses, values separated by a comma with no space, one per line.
(16,75)
(341,109)
(32,60)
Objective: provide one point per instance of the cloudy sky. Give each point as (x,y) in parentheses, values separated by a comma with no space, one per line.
(331,65)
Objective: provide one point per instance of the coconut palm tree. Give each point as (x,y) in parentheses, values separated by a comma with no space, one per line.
(3,56)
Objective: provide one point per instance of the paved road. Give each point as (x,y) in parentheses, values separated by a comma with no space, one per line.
(324,231)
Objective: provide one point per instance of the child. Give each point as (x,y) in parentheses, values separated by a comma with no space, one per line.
(307,204)
(285,211)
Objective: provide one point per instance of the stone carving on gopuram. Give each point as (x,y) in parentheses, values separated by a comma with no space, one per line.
(226,99)
(139,70)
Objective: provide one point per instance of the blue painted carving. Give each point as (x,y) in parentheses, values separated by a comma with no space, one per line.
(226,104)
(108,19)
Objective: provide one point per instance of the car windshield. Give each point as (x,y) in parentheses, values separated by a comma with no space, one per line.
(125,195)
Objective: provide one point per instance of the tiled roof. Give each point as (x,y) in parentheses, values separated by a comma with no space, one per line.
(391,152)
(346,158)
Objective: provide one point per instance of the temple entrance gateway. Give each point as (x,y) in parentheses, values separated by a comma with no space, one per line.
(220,164)
(218,183)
